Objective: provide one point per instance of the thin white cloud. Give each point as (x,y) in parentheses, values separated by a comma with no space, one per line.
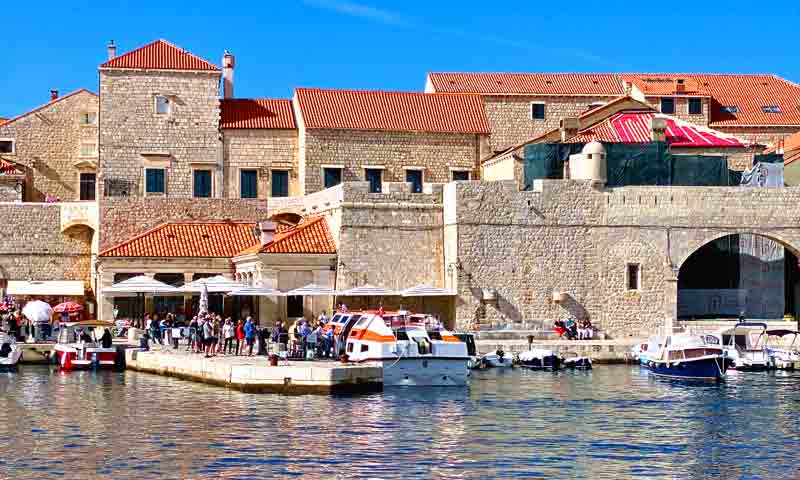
(359,10)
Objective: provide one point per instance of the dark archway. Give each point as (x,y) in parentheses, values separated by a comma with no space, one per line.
(737,275)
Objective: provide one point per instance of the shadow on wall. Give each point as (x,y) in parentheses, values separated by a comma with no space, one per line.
(494,309)
(573,308)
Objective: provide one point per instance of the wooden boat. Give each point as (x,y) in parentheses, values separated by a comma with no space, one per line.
(689,357)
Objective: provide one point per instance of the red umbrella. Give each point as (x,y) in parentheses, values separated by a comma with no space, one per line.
(68,307)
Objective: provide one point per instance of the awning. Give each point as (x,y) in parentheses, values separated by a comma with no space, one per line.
(312,290)
(58,288)
(424,290)
(216,284)
(258,291)
(141,284)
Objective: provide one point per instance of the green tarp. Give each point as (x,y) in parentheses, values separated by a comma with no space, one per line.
(631,164)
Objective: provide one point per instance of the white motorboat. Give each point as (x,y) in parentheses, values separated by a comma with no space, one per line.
(79,346)
(474,359)
(539,359)
(497,359)
(411,353)
(782,349)
(574,361)
(745,345)
(689,357)
(10,352)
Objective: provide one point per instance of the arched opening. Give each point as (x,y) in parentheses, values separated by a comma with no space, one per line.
(739,275)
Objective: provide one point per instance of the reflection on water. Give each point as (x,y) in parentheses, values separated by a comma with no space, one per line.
(614,422)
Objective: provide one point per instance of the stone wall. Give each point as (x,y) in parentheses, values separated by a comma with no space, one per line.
(760,135)
(566,236)
(132,133)
(33,247)
(510,116)
(682,109)
(123,218)
(8,190)
(263,150)
(48,145)
(436,153)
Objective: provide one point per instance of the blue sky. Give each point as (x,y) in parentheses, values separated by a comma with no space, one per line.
(391,44)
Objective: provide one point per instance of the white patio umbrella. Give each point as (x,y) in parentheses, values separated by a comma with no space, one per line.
(424,290)
(312,290)
(369,291)
(203,306)
(38,311)
(257,291)
(216,284)
(141,285)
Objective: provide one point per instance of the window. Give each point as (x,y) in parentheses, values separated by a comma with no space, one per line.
(87,186)
(280,183)
(162,105)
(415,178)
(460,175)
(667,105)
(7,146)
(154,181)
(294,306)
(202,183)
(88,118)
(771,109)
(364,348)
(537,111)
(332,176)
(729,109)
(695,106)
(88,149)
(248,183)
(634,276)
(374,177)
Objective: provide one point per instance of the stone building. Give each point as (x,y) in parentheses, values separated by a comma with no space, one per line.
(351,135)
(55,146)
(759,108)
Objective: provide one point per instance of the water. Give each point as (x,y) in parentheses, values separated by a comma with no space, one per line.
(614,422)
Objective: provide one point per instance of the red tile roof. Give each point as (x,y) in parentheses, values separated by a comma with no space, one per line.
(3,120)
(791,149)
(207,239)
(160,55)
(51,102)
(392,111)
(748,93)
(310,236)
(634,127)
(528,83)
(257,113)
(10,168)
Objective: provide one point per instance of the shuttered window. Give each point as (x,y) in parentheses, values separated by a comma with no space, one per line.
(280,183)
(202,183)
(248,184)
(154,180)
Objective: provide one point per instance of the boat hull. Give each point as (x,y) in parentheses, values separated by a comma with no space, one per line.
(11,362)
(425,372)
(71,359)
(579,363)
(495,361)
(550,362)
(709,368)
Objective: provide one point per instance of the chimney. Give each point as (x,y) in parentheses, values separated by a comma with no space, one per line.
(53,95)
(228,62)
(569,127)
(658,129)
(267,232)
(680,85)
(112,49)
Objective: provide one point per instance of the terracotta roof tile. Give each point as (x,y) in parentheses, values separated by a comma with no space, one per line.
(310,236)
(210,239)
(10,168)
(392,111)
(160,55)
(257,113)
(528,83)
(748,93)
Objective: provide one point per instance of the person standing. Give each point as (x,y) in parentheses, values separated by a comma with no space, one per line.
(229,333)
(240,337)
(249,335)
(208,336)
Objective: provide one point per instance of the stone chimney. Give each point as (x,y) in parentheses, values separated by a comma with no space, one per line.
(53,94)
(658,129)
(569,127)
(267,232)
(228,62)
(112,49)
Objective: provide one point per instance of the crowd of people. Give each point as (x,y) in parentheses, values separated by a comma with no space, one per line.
(573,329)
(211,335)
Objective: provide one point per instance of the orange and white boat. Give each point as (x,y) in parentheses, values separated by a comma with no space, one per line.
(79,347)
(412,350)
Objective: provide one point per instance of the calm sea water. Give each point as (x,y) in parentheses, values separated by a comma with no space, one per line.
(614,422)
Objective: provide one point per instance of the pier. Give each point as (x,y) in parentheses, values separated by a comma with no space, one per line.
(255,375)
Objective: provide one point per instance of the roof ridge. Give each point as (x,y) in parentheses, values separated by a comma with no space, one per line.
(134,238)
(391,92)
(257,98)
(299,228)
(51,102)
(153,43)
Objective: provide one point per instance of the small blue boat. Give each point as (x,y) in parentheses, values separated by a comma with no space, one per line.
(690,357)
